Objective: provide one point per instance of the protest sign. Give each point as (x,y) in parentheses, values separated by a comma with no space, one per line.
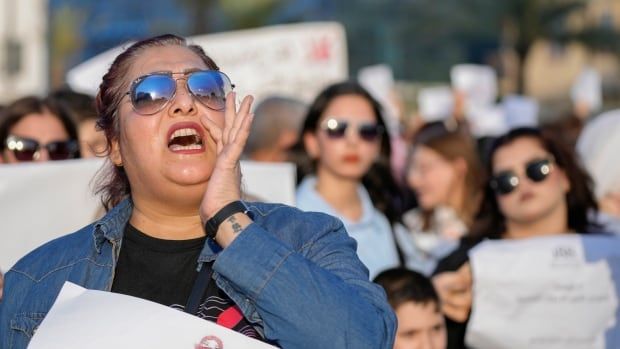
(294,60)
(551,292)
(40,202)
(82,318)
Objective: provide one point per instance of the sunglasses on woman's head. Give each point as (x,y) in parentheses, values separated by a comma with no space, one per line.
(506,182)
(336,129)
(27,149)
(150,93)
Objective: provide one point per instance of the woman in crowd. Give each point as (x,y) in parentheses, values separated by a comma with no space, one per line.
(445,173)
(82,107)
(345,136)
(177,233)
(536,188)
(34,129)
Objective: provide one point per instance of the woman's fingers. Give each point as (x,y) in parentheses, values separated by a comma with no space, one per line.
(465,273)
(242,116)
(450,282)
(459,299)
(215,131)
(455,313)
(229,115)
(233,118)
(455,292)
(236,123)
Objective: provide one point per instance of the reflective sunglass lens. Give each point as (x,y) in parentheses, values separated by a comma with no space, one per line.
(23,148)
(538,170)
(370,132)
(210,88)
(504,183)
(335,128)
(150,94)
(24,155)
(62,150)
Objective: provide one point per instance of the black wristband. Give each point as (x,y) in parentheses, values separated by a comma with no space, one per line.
(214,222)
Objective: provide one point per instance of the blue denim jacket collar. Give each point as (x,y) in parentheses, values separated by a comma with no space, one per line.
(111,226)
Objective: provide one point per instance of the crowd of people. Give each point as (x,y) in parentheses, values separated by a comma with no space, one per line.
(298,279)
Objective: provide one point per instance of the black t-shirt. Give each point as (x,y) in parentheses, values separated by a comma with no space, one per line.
(164,271)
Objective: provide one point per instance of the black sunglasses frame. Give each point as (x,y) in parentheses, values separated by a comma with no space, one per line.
(536,170)
(31,148)
(186,76)
(337,129)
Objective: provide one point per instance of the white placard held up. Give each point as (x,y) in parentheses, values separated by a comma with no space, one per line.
(82,318)
(295,60)
(42,201)
(550,292)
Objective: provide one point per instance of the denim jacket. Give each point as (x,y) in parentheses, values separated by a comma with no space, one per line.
(295,276)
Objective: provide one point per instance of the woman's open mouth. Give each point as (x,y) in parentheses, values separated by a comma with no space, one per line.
(185,138)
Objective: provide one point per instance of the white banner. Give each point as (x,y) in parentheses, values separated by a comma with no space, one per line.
(40,202)
(295,60)
(552,292)
(119,321)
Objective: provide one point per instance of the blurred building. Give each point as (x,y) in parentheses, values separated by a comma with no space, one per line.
(23,53)
(551,69)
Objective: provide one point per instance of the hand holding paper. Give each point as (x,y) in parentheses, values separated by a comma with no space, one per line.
(454,290)
(548,293)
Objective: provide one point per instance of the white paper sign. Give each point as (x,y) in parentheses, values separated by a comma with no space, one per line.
(43,201)
(296,60)
(91,319)
(477,82)
(552,292)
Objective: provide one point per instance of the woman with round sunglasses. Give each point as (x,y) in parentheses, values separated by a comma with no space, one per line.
(536,188)
(36,130)
(177,232)
(445,173)
(345,137)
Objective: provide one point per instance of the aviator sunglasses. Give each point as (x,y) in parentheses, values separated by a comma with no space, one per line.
(150,93)
(337,129)
(506,182)
(27,149)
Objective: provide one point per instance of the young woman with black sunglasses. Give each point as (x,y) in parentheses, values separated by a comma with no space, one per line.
(177,232)
(346,139)
(536,188)
(35,129)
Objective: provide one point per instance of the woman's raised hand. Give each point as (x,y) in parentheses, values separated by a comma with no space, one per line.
(225,182)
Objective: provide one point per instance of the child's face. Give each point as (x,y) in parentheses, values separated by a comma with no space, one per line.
(420,326)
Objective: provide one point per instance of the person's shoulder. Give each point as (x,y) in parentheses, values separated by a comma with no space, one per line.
(55,254)
(290,213)
(282,219)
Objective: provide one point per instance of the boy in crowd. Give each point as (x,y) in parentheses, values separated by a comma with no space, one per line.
(420,321)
